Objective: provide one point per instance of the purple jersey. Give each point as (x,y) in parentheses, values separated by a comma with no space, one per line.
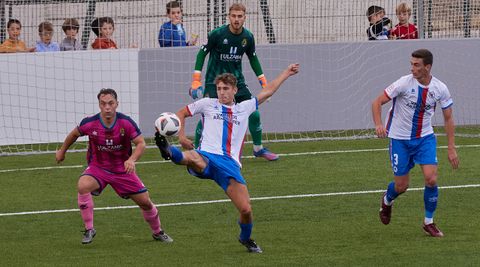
(109,148)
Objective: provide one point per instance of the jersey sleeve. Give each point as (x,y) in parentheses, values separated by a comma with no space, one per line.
(250,105)
(250,51)
(133,129)
(445,100)
(83,127)
(395,89)
(204,50)
(252,57)
(211,42)
(198,107)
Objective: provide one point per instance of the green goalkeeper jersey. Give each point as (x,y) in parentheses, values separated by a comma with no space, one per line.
(226,50)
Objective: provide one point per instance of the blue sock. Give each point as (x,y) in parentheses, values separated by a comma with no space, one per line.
(245,230)
(177,154)
(430,197)
(391,193)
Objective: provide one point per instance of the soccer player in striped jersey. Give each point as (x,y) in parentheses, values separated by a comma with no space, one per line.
(111,161)
(226,45)
(218,156)
(410,130)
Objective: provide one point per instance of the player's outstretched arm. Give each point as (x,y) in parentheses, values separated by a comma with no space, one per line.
(450,131)
(380,129)
(182,138)
(273,86)
(69,140)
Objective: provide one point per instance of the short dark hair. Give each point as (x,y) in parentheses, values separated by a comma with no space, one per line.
(45,26)
(12,21)
(70,24)
(172,4)
(104,20)
(107,91)
(226,78)
(425,55)
(372,10)
(98,23)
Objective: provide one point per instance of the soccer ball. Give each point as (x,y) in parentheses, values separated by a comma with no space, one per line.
(168,124)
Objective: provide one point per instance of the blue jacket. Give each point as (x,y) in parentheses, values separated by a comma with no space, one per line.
(42,47)
(171,35)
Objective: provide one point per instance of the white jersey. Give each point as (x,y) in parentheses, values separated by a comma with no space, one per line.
(410,116)
(224,127)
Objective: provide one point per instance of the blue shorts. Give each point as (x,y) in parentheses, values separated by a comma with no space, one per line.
(405,153)
(220,168)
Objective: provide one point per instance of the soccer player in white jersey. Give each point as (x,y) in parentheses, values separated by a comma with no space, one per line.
(412,140)
(218,156)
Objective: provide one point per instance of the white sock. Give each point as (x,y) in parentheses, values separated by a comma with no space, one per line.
(386,201)
(257,148)
(428,220)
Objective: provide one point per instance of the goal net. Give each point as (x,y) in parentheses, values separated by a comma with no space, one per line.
(44,95)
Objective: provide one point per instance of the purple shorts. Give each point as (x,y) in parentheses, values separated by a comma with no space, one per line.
(125,184)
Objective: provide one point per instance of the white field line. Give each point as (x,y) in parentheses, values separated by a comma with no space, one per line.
(244,157)
(228,200)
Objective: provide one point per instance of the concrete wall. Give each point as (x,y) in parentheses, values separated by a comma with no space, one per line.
(43,96)
(335,88)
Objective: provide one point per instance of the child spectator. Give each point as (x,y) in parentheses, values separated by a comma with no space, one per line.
(379,23)
(172,32)
(45,31)
(13,43)
(404,29)
(70,27)
(103,27)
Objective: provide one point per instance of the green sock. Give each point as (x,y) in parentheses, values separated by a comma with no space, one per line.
(198,133)
(255,127)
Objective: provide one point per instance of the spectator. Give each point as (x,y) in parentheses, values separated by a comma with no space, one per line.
(70,27)
(103,27)
(404,29)
(172,32)
(13,44)
(45,31)
(379,24)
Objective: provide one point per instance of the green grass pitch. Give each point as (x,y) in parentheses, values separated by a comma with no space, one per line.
(334,230)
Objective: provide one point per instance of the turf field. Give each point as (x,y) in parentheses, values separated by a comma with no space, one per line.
(316,206)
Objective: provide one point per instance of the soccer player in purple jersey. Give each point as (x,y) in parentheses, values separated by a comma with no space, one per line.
(218,156)
(111,161)
(409,127)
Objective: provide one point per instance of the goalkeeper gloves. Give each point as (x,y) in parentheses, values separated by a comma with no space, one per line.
(196,89)
(262,80)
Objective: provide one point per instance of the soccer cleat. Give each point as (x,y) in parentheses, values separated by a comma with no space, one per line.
(88,236)
(385,211)
(163,145)
(251,245)
(432,230)
(266,154)
(162,237)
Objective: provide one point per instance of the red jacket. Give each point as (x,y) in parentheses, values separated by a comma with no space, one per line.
(404,31)
(103,43)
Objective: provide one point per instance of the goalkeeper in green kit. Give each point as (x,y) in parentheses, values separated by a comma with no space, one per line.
(226,45)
